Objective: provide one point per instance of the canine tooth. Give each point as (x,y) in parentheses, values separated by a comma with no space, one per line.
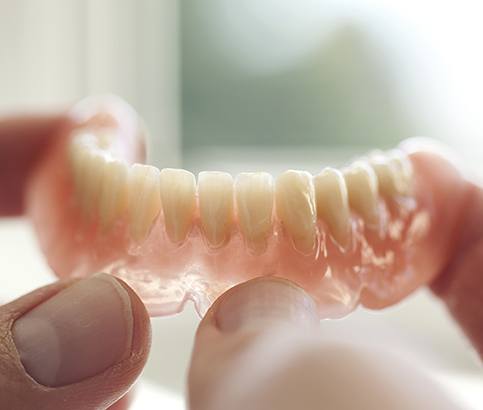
(295,204)
(90,182)
(332,202)
(178,198)
(362,190)
(254,194)
(113,199)
(144,199)
(215,191)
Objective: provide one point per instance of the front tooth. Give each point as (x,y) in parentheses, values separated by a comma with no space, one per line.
(295,204)
(332,203)
(178,198)
(144,199)
(362,190)
(90,184)
(254,199)
(114,192)
(215,191)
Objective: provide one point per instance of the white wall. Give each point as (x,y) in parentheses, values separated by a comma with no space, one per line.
(53,52)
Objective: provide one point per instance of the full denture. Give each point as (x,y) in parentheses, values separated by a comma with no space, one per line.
(343,235)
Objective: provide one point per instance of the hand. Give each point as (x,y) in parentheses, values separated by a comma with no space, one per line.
(256,348)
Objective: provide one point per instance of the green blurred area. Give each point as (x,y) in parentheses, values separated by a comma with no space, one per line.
(339,95)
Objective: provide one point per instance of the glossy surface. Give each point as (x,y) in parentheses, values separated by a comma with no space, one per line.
(378,268)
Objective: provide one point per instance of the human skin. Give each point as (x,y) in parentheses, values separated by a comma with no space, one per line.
(240,329)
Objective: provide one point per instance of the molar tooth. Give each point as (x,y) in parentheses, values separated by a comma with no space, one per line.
(90,183)
(178,198)
(295,204)
(387,178)
(144,199)
(332,202)
(78,162)
(362,189)
(254,199)
(114,192)
(403,170)
(215,191)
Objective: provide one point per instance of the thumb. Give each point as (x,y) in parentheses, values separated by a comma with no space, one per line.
(258,348)
(77,344)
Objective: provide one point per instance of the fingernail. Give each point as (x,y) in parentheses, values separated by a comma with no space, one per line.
(265,302)
(78,333)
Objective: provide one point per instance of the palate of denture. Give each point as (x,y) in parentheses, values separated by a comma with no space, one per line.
(295,206)
(144,199)
(332,202)
(178,198)
(254,194)
(362,191)
(226,233)
(215,193)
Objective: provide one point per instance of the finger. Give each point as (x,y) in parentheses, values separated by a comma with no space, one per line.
(258,348)
(460,285)
(76,344)
(23,141)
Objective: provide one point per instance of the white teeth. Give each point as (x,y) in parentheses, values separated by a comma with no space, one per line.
(215,191)
(402,169)
(90,184)
(144,199)
(114,192)
(178,198)
(295,204)
(78,160)
(362,189)
(254,199)
(393,173)
(332,204)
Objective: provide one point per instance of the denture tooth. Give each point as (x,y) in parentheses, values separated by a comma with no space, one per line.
(215,192)
(178,198)
(78,162)
(254,194)
(114,192)
(387,178)
(90,184)
(362,190)
(332,202)
(403,170)
(144,199)
(295,205)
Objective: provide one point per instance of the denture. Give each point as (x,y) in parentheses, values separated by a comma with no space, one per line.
(369,233)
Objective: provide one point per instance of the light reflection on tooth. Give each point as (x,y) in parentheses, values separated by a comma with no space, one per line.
(178,198)
(254,194)
(332,204)
(114,192)
(295,205)
(215,192)
(90,183)
(362,190)
(144,199)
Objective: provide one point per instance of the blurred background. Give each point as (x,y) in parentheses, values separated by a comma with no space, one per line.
(259,85)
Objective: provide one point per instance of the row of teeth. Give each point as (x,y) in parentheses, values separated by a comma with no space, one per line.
(108,188)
